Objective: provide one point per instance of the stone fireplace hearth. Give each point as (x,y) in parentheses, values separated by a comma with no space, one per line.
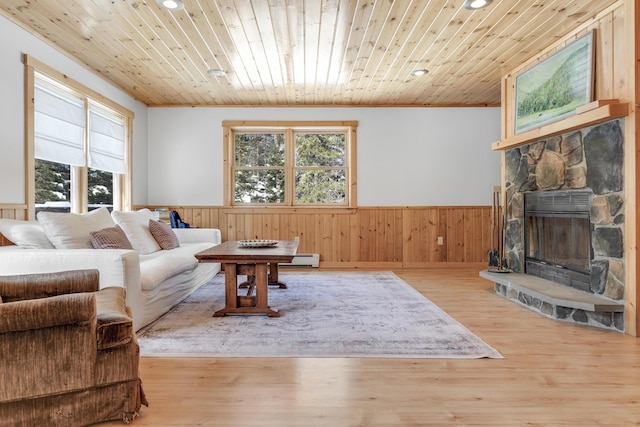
(584,163)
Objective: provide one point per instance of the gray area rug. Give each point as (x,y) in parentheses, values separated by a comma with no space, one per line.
(323,314)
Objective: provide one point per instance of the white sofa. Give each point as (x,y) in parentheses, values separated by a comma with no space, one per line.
(154,282)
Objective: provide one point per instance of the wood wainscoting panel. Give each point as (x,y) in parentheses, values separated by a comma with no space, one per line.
(11,211)
(359,237)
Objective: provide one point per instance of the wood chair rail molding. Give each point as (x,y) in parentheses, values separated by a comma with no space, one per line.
(593,113)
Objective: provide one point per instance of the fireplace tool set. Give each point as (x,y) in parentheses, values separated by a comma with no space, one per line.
(497,260)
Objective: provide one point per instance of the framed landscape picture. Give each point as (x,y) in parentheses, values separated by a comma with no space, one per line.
(555,87)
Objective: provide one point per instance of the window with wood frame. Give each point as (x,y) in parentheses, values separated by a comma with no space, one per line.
(80,145)
(297,164)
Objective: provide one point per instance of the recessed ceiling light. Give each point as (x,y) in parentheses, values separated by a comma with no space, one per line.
(419,72)
(476,4)
(171,4)
(214,72)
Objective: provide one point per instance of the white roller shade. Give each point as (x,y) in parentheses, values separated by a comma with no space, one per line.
(106,141)
(59,125)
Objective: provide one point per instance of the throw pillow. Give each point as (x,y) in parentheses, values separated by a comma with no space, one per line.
(26,234)
(135,225)
(163,234)
(110,238)
(71,231)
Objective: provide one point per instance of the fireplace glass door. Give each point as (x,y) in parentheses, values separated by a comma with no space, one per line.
(560,240)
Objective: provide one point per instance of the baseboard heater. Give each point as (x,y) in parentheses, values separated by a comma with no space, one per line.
(303,260)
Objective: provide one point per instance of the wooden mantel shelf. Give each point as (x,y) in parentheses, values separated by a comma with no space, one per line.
(590,114)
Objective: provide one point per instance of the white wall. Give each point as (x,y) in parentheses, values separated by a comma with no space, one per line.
(406,156)
(14,42)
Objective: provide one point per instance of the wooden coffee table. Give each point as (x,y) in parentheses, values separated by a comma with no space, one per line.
(260,265)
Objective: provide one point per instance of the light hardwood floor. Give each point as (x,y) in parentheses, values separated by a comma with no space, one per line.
(553,374)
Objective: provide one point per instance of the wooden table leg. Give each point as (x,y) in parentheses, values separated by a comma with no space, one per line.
(262,289)
(246,304)
(262,300)
(230,292)
(273,276)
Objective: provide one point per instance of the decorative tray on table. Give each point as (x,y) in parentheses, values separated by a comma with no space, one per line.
(256,243)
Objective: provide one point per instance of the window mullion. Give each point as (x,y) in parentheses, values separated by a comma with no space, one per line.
(82,177)
(289,164)
(118,191)
(79,189)
(229,150)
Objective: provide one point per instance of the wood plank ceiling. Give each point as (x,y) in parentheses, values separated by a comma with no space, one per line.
(303,52)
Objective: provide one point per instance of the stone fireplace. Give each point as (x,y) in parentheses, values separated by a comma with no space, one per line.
(565,215)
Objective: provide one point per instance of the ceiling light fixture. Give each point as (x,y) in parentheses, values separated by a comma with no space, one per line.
(476,4)
(171,5)
(214,72)
(419,72)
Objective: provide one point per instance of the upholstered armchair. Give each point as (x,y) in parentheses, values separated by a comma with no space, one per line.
(68,352)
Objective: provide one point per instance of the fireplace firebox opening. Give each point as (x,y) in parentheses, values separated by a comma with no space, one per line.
(558,236)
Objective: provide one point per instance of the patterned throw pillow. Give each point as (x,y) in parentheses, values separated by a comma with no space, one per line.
(163,234)
(110,238)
